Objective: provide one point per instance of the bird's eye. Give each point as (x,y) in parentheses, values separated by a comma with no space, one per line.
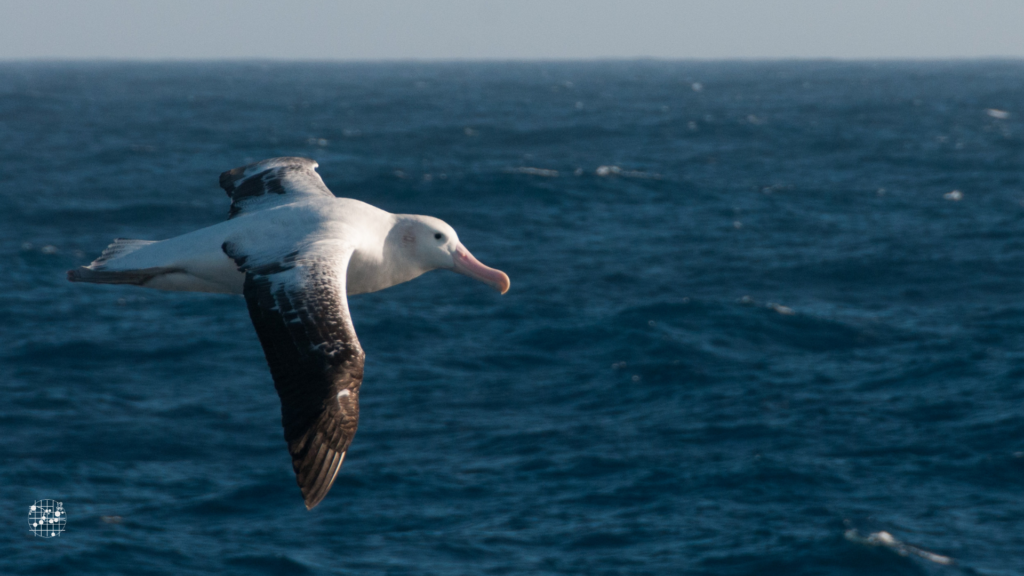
(438,235)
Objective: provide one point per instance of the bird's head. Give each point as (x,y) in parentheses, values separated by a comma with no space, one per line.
(431,244)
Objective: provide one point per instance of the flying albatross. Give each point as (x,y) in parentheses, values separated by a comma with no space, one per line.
(295,251)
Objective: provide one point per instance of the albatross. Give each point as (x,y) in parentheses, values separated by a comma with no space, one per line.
(296,252)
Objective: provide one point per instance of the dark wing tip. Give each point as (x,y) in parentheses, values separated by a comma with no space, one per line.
(228,178)
(316,473)
(231,179)
(317,456)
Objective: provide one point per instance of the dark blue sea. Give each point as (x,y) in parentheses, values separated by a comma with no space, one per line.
(765,318)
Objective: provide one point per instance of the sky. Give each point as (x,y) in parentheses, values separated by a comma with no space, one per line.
(509,29)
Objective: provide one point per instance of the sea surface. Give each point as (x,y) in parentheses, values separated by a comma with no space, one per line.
(765,318)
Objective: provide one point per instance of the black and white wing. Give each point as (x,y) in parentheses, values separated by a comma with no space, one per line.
(299,307)
(272,182)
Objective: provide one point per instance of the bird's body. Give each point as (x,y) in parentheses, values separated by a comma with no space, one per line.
(296,252)
(197,261)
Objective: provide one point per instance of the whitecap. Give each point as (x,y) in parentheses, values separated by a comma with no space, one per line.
(784,310)
(887,540)
(605,171)
(547,173)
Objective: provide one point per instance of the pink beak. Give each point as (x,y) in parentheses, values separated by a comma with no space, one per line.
(466,264)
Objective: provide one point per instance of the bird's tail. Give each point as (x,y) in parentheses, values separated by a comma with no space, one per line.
(99,273)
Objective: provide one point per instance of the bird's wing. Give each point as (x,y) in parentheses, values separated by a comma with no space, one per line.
(272,182)
(299,307)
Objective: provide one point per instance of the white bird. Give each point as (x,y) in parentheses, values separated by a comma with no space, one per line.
(295,251)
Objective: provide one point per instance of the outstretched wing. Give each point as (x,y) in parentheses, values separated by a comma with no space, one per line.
(272,182)
(299,307)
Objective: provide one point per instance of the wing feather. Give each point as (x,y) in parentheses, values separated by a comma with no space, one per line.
(272,182)
(300,311)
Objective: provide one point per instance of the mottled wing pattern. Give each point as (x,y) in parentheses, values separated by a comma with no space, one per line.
(300,310)
(271,183)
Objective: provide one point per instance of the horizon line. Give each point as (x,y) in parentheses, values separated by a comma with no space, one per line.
(500,60)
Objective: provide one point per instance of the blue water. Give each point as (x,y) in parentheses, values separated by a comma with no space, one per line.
(763,325)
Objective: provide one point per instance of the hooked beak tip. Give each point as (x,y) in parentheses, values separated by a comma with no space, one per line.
(504,284)
(466,264)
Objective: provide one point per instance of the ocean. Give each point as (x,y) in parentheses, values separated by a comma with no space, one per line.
(765,318)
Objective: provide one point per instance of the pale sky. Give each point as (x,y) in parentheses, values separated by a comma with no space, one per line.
(517,30)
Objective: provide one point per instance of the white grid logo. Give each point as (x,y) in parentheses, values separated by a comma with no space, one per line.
(46,518)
